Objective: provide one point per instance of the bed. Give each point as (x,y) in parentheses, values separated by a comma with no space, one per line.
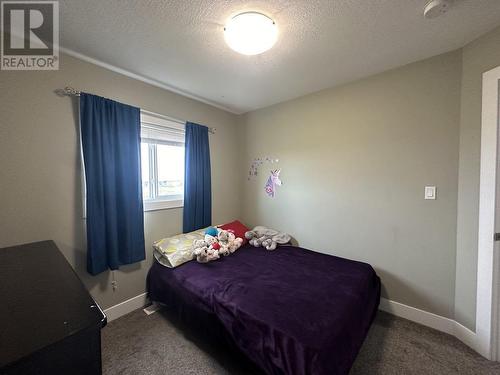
(290,311)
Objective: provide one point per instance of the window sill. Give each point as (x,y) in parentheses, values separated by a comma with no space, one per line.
(162,205)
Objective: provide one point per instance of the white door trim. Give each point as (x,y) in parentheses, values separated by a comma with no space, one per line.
(487,293)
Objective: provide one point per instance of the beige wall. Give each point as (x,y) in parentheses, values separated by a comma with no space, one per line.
(355,160)
(478,57)
(40,189)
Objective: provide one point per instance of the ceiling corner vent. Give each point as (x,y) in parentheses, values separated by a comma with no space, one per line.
(436,8)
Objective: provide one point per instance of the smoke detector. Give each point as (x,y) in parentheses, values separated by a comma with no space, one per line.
(435,8)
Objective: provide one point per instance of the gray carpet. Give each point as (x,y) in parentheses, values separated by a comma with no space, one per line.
(158,344)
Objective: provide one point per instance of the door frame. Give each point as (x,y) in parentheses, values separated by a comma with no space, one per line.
(487,299)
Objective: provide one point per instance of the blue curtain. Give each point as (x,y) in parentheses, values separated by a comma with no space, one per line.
(197,180)
(110,134)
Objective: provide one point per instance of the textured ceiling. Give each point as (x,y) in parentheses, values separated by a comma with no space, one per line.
(322,43)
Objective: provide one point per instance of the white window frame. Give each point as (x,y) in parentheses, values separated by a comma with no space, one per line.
(159,202)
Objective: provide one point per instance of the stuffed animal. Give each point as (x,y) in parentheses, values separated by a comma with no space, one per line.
(223,235)
(229,242)
(212,247)
(204,252)
(212,231)
(200,249)
(235,244)
(266,237)
(212,254)
(209,239)
(198,243)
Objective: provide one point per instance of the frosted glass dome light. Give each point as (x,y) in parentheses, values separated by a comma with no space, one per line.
(250,33)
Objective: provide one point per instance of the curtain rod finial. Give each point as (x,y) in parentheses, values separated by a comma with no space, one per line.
(71,91)
(67,91)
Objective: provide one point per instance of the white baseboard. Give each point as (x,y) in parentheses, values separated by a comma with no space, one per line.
(467,336)
(431,320)
(418,316)
(125,307)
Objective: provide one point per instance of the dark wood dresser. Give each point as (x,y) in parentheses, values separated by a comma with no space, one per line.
(49,323)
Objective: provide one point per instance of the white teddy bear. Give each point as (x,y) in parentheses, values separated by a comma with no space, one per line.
(212,248)
(234,242)
(204,252)
(266,237)
(223,239)
(210,240)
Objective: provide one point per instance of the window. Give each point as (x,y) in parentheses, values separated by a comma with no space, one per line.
(162,158)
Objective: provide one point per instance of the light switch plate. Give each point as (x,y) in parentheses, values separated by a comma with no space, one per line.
(430,192)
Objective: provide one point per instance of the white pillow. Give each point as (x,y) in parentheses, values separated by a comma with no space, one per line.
(176,250)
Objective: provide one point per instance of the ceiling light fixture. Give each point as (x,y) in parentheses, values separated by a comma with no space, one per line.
(250,33)
(436,8)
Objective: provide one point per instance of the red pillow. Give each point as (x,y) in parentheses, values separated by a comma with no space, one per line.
(238,228)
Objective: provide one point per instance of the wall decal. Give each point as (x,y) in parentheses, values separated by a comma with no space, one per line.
(272,182)
(256,163)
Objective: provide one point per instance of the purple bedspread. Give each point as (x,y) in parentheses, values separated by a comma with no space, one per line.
(291,311)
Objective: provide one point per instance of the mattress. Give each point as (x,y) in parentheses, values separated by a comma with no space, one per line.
(290,311)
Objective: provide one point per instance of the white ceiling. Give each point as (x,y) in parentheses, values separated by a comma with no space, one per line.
(322,43)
